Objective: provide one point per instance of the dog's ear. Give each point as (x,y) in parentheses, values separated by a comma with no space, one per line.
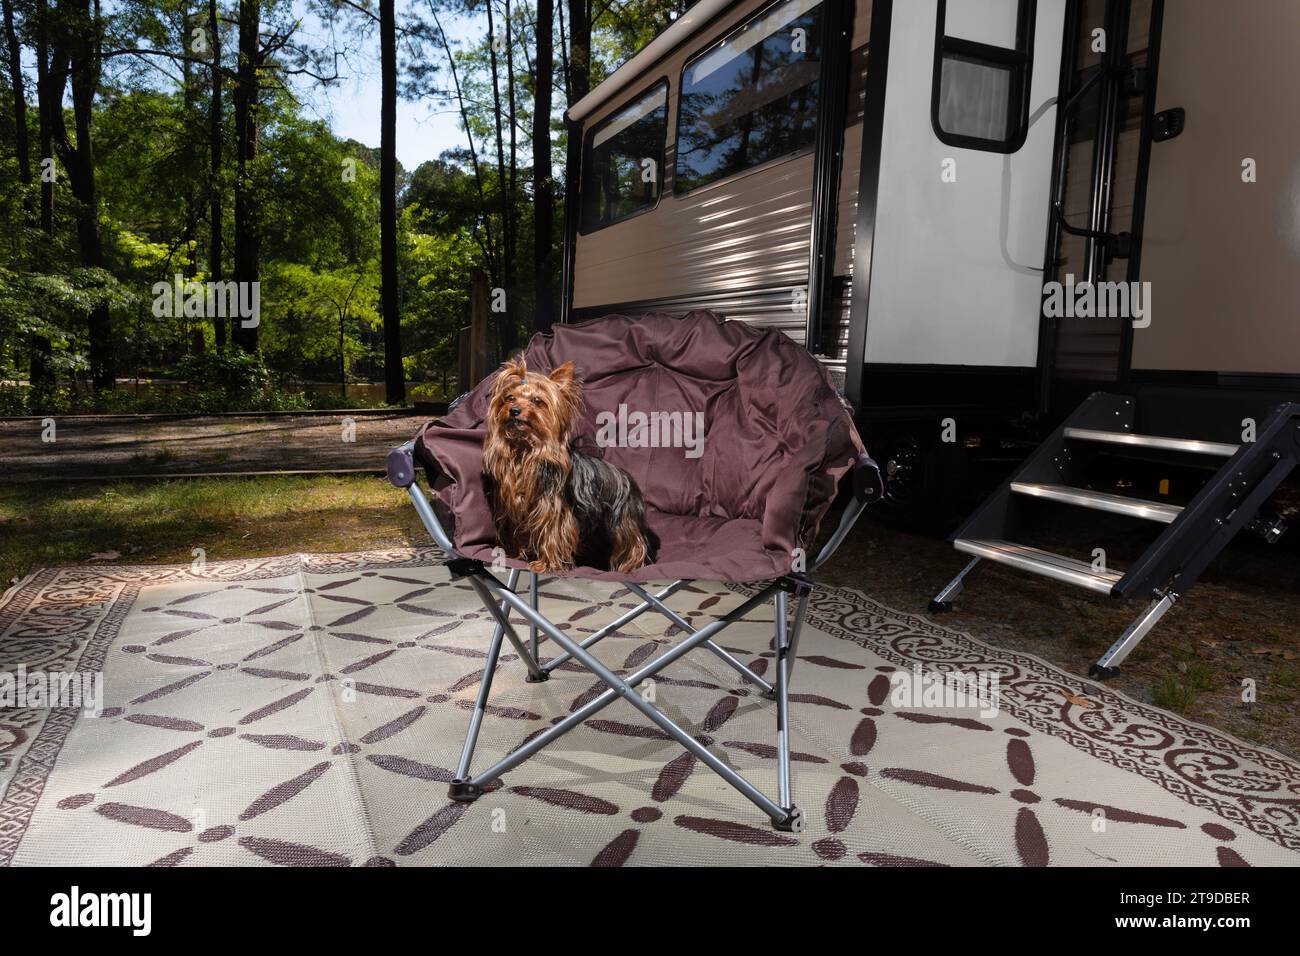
(565,376)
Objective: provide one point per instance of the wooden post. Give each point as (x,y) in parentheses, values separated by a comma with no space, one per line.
(478,328)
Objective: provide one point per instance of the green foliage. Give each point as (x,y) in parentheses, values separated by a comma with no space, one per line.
(232,371)
(316,196)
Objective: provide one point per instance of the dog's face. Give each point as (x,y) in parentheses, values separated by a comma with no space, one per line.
(531,409)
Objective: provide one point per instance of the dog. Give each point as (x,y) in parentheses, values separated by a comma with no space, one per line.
(555,506)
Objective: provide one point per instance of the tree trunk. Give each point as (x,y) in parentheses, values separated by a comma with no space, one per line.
(83,61)
(21,145)
(41,376)
(394,375)
(505,328)
(543,209)
(512,209)
(215,122)
(45,122)
(579,49)
(247,231)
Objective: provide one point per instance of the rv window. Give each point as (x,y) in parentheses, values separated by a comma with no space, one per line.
(751,98)
(625,154)
(981,86)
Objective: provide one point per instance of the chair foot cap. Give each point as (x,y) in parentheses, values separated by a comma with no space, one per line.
(792,822)
(940,607)
(462,791)
(538,678)
(1097,672)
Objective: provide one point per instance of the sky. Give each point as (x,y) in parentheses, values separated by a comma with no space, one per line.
(351,106)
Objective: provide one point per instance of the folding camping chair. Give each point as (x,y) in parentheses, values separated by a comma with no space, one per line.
(777,441)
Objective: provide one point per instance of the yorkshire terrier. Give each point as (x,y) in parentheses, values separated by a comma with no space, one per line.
(554,505)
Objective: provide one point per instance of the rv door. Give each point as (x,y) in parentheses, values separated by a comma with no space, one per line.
(964,192)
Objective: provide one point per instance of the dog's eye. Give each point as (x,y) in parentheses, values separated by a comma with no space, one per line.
(509,398)
(538,402)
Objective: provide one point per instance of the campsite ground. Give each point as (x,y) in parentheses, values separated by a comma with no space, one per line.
(1242,622)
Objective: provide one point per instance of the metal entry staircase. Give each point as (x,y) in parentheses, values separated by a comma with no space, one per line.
(1244,475)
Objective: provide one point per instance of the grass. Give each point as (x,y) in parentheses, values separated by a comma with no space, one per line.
(163,521)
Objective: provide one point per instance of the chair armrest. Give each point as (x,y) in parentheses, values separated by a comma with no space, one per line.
(868,482)
(401,465)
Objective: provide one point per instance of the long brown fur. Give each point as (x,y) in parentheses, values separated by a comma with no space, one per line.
(528,455)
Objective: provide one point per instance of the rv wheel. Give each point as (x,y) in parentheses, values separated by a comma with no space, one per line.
(925,481)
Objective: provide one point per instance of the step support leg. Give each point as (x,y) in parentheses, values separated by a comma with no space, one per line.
(943,600)
(1108,666)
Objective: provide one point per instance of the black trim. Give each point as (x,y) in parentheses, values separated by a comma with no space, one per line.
(1143,175)
(1010,388)
(1060,167)
(873,123)
(572,211)
(837,26)
(1110,122)
(585,228)
(1285,386)
(1019,61)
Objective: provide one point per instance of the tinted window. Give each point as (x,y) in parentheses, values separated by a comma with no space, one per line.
(751,98)
(624,161)
(981,89)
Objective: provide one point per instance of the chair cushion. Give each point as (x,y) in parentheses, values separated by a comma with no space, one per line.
(734,507)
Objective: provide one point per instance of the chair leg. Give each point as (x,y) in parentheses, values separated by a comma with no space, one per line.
(657,603)
(785,818)
(800,610)
(613,626)
(461,788)
(532,628)
(793,821)
(502,616)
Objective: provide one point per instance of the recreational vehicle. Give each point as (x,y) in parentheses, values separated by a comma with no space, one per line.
(1074,221)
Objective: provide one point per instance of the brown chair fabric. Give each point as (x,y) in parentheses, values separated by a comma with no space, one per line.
(777,440)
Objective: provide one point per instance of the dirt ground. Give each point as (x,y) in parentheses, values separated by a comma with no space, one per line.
(1240,622)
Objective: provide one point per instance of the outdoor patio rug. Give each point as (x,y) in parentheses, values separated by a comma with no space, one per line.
(307,710)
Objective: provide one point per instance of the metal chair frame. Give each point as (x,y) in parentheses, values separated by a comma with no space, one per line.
(501,600)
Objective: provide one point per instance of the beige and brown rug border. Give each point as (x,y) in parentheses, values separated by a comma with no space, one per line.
(41,755)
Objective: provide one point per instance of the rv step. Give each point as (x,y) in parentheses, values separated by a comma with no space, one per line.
(1155,442)
(1043,563)
(1100,501)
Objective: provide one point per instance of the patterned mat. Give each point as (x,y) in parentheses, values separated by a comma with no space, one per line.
(307,709)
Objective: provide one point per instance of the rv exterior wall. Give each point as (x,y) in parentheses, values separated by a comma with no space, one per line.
(740,244)
(1222,253)
(957,261)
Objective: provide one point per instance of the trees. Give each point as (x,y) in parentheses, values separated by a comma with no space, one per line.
(543,194)
(133,149)
(394,374)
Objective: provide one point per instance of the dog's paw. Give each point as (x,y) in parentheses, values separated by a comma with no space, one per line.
(539,567)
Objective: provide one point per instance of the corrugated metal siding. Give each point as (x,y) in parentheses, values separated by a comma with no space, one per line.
(739,246)
(745,232)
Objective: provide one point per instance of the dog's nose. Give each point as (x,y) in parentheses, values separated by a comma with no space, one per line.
(515,411)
